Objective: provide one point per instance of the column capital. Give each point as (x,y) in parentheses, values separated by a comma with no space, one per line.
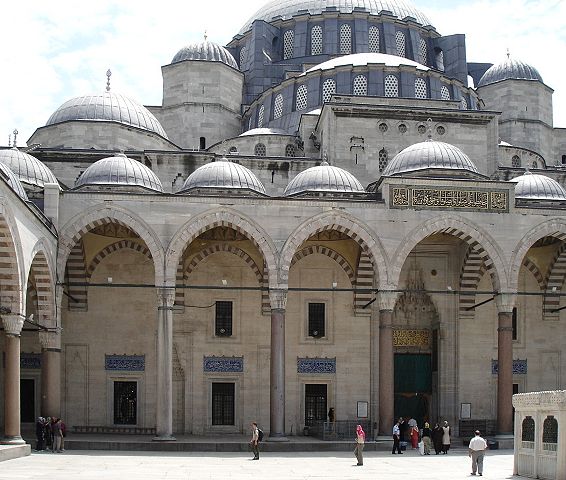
(165,296)
(387,299)
(50,340)
(505,301)
(278,298)
(13,324)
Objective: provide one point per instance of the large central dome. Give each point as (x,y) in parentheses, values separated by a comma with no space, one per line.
(288,8)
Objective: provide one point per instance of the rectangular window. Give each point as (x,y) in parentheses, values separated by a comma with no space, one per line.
(514,323)
(223,403)
(223,319)
(317,320)
(125,403)
(315,403)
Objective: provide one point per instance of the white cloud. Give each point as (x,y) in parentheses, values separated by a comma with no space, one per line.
(53,51)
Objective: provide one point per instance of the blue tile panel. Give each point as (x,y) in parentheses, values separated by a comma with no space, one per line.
(519,367)
(223,364)
(125,363)
(316,365)
(30,361)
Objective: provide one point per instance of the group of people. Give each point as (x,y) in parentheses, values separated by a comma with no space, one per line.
(50,433)
(438,436)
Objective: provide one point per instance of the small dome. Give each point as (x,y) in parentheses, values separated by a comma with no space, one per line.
(119,171)
(110,107)
(224,175)
(532,186)
(13,181)
(430,155)
(510,69)
(27,168)
(324,178)
(207,51)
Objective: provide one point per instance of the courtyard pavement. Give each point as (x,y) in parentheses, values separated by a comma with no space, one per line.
(87,465)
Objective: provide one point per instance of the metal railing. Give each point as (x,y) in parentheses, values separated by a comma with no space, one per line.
(340,429)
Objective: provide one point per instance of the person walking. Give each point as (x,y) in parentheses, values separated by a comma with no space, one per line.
(476,451)
(57,435)
(437,434)
(427,436)
(254,442)
(397,438)
(445,438)
(360,442)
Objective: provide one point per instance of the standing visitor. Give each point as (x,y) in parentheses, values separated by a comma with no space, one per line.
(254,442)
(397,438)
(437,434)
(445,438)
(57,435)
(40,434)
(427,436)
(414,436)
(360,441)
(477,449)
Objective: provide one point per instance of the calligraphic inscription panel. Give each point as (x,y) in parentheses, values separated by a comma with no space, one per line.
(419,197)
(316,365)
(519,367)
(223,364)
(125,363)
(411,338)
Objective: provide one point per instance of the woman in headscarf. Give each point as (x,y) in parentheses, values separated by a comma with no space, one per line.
(360,441)
(445,438)
(40,434)
(427,434)
(437,434)
(414,434)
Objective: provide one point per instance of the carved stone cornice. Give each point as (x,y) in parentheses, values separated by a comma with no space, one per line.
(278,298)
(13,324)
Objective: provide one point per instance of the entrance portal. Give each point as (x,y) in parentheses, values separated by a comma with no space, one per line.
(413,386)
(27,400)
(316,400)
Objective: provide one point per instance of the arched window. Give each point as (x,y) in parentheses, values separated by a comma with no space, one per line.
(400,43)
(233,151)
(260,116)
(444,93)
(439,59)
(260,150)
(345,39)
(301,100)
(563,159)
(550,433)
(528,430)
(391,86)
(316,40)
(288,40)
(243,56)
(535,165)
(382,159)
(278,106)
(420,88)
(360,86)
(516,161)
(463,104)
(328,89)
(290,150)
(202,143)
(250,123)
(373,40)
(423,57)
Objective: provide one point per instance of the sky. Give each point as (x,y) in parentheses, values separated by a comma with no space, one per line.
(52,51)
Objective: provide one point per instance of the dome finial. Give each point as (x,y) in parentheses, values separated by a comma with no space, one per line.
(429,123)
(205,36)
(15,132)
(108,75)
(325,159)
(508,53)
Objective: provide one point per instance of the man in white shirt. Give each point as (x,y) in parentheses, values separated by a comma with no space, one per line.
(397,439)
(477,449)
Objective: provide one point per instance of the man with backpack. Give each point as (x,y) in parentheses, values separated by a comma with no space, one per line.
(257,436)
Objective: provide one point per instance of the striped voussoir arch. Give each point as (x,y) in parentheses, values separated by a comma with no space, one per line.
(9,278)
(76,274)
(114,247)
(554,283)
(364,280)
(333,254)
(535,271)
(470,276)
(44,288)
(31,298)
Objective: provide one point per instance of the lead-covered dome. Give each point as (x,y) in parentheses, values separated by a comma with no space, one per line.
(119,171)
(27,168)
(510,69)
(364,59)
(207,51)
(223,174)
(431,155)
(324,179)
(532,186)
(286,9)
(13,181)
(109,107)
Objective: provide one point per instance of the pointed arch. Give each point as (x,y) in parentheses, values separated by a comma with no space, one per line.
(535,271)
(11,277)
(472,270)
(333,254)
(41,277)
(114,247)
(555,282)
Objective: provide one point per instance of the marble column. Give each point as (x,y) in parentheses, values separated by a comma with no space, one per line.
(164,393)
(505,303)
(386,301)
(278,298)
(50,373)
(13,324)
(374,365)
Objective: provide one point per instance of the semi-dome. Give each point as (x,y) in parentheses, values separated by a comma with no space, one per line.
(510,69)
(430,155)
(264,131)
(207,51)
(119,171)
(109,107)
(13,181)
(324,178)
(27,168)
(364,59)
(286,9)
(223,174)
(532,186)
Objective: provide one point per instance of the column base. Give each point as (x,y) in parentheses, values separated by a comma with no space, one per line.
(277,437)
(13,440)
(164,438)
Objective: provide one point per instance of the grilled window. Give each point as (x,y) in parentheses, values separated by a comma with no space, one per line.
(423,52)
(278,106)
(373,39)
(420,88)
(400,43)
(260,150)
(125,403)
(345,39)
(360,86)
(301,98)
(328,89)
(391,86)
(316,40)
(223,324)
(290,150)
(516,161)
(444,93)
(315,403)
(223,403)
(243,56)
(528,430)
(317,320)
(383,159)
(260,116)
(288,40)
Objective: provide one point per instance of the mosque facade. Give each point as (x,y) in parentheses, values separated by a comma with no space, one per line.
(335,210)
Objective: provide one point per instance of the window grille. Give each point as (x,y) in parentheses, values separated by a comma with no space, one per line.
(278,106)
(223,320)
(528,429)
(440,59)
(223,403)
(400,43)
(391,86)
(463,104)
(421,129)
(328,89)
(444,93)
(288,40)
(383,127)
(317,320)
(233,151)
(535,165)
(316,40)
(315,403)
(383,159)
(260,150)
(550,433)
(125,403)
(373,39)
(402,128)
(290,150)
(360,85)
(420,88)
(440,130)
(243,56)
(516,161)
(260,116)
(423,53)
(345,39)
(301,100)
